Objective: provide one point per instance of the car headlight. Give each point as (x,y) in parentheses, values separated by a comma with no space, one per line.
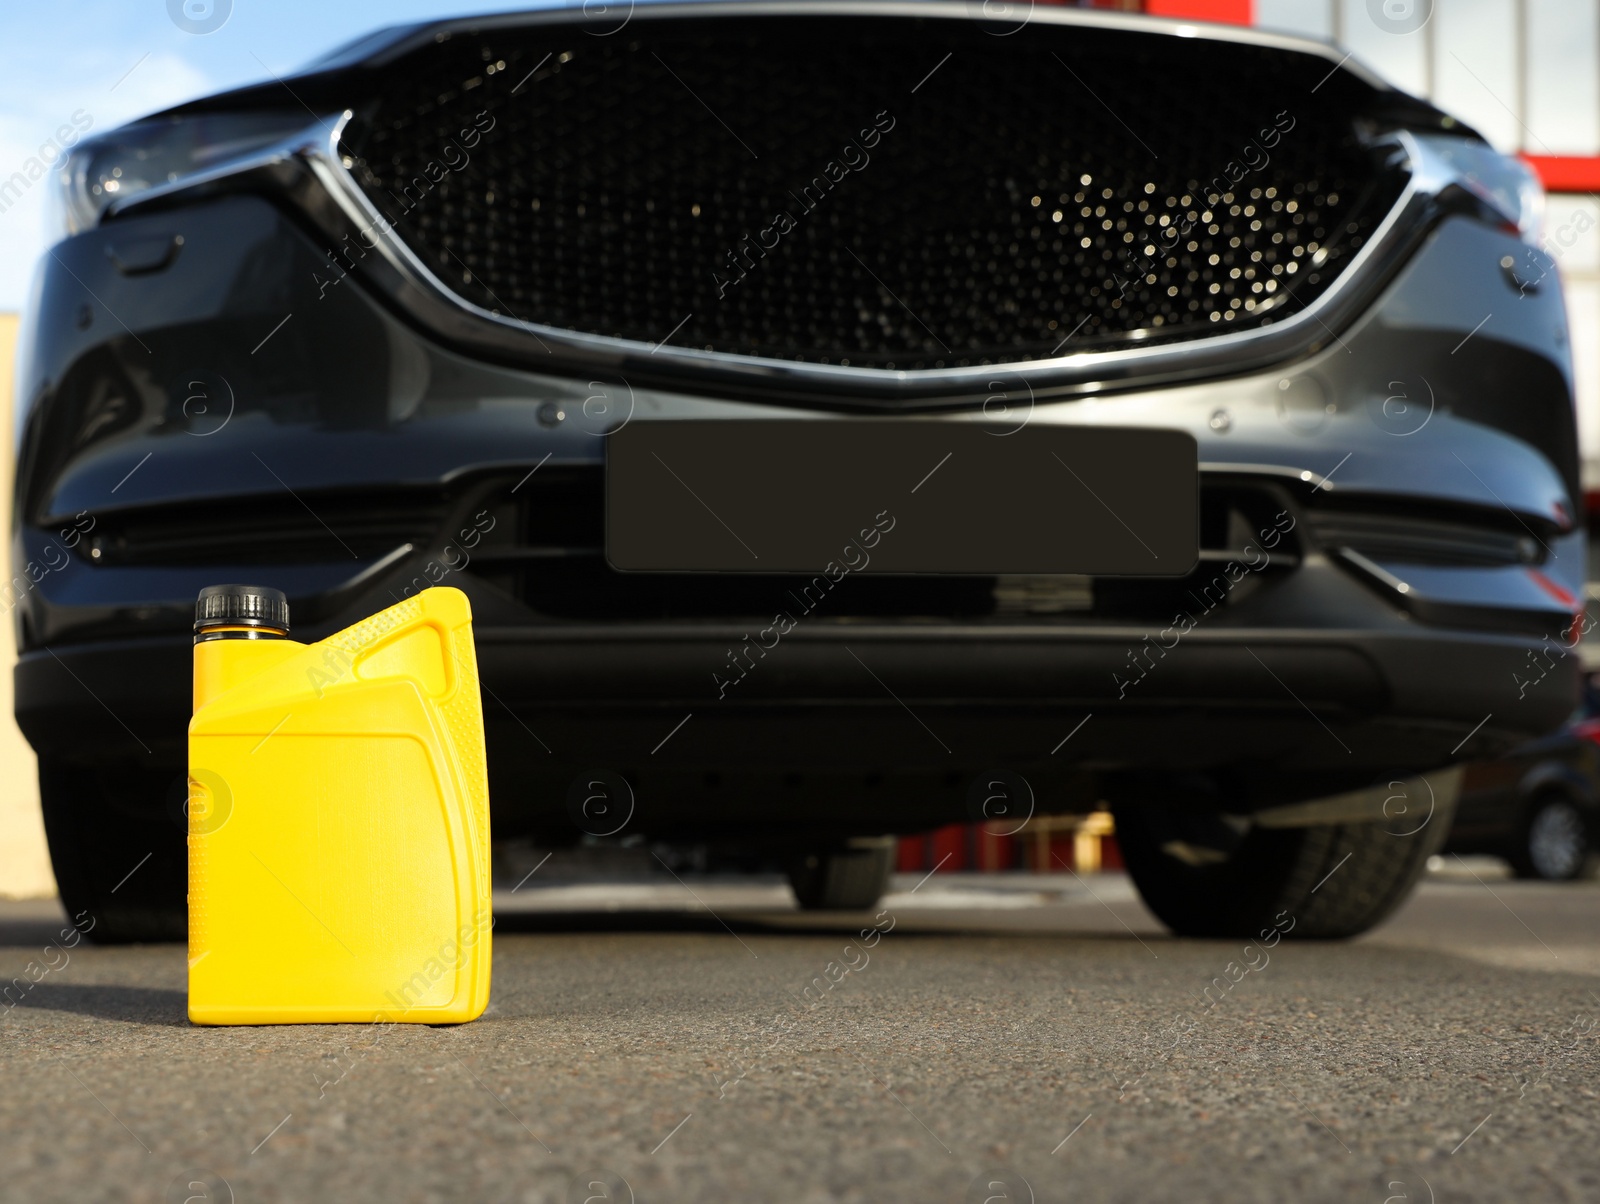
(1505,185)
(160,153)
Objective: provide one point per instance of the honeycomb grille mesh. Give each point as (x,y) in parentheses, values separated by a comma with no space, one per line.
(890,193)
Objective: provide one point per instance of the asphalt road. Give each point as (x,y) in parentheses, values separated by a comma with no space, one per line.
(1006,1040)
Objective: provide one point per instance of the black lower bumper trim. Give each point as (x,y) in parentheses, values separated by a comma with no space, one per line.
(1243,688)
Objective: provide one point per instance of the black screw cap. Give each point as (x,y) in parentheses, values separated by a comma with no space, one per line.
(241,606)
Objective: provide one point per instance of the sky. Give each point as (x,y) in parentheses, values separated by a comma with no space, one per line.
(109,61)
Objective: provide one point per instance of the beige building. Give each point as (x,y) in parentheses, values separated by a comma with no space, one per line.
(24,860)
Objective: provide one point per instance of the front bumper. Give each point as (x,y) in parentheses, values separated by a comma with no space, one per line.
(896,720)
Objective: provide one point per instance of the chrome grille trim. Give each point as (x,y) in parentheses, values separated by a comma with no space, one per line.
(309,174)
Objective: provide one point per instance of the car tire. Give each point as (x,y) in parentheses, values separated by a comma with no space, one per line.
(1554,841)
(853,878)
(1206,874)
(118,847)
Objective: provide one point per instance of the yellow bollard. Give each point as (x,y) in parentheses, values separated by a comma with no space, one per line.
(1086,840)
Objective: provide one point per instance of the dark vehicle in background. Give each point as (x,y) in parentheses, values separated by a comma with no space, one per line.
(1538,806)
(392,321)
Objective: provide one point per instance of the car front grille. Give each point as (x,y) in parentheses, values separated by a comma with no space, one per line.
(879,192)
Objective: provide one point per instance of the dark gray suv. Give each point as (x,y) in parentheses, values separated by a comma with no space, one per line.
(796,390)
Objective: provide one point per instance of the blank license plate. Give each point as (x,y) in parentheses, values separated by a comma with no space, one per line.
(900,496)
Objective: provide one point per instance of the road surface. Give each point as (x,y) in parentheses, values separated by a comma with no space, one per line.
(1018,1038)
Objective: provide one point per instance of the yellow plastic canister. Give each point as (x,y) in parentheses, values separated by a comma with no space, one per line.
(338,816)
